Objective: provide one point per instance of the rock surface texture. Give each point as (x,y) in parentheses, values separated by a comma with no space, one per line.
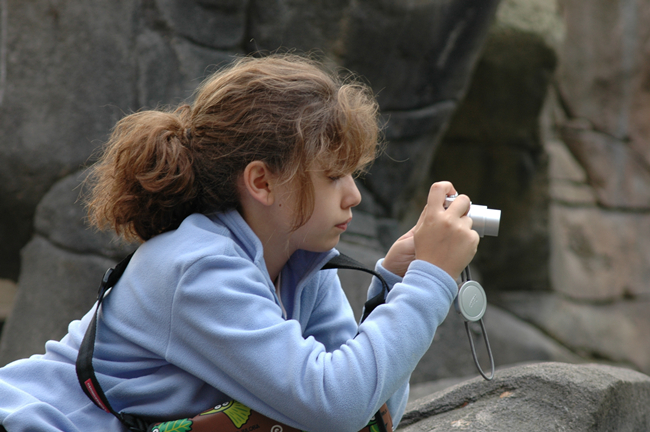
(594,129)
(551,133)
(538,397)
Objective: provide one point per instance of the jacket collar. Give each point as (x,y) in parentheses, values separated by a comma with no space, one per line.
(302,263)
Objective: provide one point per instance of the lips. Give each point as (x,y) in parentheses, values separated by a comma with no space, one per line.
(344,226)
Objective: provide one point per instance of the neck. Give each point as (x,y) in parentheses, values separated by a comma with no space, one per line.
(275,243)
(275,256)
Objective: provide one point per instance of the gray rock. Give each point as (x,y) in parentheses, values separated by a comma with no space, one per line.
(539,397)
(195,63)
(512,341)
(420,390)
(158,80)
(222,22)
(427,48)
(62,267)
(613,331)
(417,122)
(61,219)
(309,26)
(56,286)
(396,175)
(615,171)
(69,78)
(170,69)
(598,254)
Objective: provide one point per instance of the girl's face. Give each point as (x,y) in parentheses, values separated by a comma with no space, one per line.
(334,198)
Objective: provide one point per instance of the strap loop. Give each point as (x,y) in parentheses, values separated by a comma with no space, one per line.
(487,344)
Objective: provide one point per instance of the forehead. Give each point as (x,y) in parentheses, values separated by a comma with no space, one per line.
(344,158)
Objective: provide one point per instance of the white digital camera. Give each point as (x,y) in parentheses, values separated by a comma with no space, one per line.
(485,220)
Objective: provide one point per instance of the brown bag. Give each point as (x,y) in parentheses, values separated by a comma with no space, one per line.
(233,416)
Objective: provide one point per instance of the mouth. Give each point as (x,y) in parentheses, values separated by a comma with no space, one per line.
(344,226)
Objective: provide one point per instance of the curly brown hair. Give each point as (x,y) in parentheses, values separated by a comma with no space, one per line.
(160,166)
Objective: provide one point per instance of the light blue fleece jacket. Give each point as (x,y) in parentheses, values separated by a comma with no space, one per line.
(195,320)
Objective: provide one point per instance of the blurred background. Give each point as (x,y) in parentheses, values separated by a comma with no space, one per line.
(538,108)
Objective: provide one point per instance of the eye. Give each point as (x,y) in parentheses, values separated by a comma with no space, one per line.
(334,177)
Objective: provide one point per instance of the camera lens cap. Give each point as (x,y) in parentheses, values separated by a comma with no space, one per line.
(471,301)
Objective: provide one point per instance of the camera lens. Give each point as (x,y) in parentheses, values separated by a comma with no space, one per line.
(485,220)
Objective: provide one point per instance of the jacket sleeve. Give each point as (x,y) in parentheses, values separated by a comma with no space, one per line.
(234,338)
(332,323)
(331,318)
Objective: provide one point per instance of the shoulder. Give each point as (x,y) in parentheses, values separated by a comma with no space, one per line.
(200,242)
(198,236)
(200,262)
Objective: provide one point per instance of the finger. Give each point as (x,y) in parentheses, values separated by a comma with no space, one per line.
(408,234)
(460,206)
(467,221)
(420,219)
(439,191)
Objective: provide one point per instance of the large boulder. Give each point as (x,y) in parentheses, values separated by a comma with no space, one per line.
(68,71)
(62,267)
(538,397)
(600,186)
(616,331)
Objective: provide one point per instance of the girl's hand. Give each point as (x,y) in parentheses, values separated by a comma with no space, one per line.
(400,254)
(445,237)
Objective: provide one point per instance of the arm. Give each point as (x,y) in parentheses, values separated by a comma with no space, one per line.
(332,323)
(235,339)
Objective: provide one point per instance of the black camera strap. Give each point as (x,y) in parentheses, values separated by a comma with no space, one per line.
(84,365)
(345,262)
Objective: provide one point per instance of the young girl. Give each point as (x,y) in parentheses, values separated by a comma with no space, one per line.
(239,200)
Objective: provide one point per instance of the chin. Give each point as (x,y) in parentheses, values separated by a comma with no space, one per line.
(324,246)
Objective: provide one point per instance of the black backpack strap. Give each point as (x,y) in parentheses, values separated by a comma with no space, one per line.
(345,262)
(85,370)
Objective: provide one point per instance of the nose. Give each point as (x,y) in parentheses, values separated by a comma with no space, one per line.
(351,196)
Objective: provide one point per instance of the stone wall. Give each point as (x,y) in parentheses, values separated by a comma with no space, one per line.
(552,132)
(598,142)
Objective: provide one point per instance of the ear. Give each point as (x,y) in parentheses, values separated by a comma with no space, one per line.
(259,181)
